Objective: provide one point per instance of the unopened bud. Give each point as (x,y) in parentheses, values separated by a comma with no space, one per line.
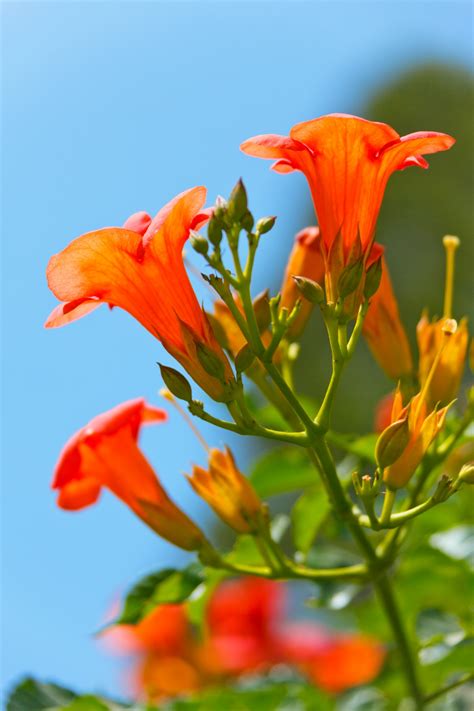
(199,243)
(443,490)
(247,221)
(466,475)
(372,278)
(214,231)
(237,205)
(244,358)
(211,363)
(264,225)
(392,443)
(176,383)
(311,290)
(350,278)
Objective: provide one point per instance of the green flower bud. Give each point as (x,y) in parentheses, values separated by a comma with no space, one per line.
(198,242)
(214,231)
(244,358)
(372,278)
(265,224)
(311,290)
(247,221)
(466,475)
(392,443)
(176,383)
(237,205)
(350,278)
(211,363)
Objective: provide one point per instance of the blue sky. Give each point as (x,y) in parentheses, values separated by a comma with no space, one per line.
(110,108)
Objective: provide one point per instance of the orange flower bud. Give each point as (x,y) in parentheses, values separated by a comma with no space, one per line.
(105,453)
(446,379)
(306,260)
(423,426)
(227,491)
(384,331)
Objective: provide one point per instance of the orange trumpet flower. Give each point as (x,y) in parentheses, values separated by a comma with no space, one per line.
(347,161)
(385,333)
(306,260)
(139,267)
(105,453)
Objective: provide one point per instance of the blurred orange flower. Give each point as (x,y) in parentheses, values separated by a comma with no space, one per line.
(105,453)
(247,633)
(139,267)
(347,161)
(385,333)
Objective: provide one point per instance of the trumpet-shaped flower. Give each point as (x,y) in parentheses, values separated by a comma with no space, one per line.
(105,453)
(139,267)
(347,161)
(306,260)
(384,331)
(446,379)
(227,491)
(423,426)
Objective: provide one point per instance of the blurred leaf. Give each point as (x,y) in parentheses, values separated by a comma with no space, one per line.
(365,699)
(429,579)
(164,587)
(246,551)
(437,625)
(87,703)
(457,661)
(307,516)
(457,543)
(32,695)
(288,696)
(281,470)
(196,605)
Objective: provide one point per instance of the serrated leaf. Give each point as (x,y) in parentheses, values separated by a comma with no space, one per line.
(163,587)
(307,515)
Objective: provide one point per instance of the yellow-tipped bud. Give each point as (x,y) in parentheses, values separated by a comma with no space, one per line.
(228,491)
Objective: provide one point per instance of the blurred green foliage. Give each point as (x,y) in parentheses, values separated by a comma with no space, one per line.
(419,208)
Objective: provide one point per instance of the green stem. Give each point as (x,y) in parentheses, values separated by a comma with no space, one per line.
(388,502)
(387,598)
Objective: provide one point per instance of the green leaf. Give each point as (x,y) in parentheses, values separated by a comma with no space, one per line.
(88,703)
(163,587)
(457,543)
(30,695)
(307,515)
(457,661)
(282,470)
(196,606)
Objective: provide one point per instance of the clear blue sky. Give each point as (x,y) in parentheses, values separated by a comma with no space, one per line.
(114,107)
